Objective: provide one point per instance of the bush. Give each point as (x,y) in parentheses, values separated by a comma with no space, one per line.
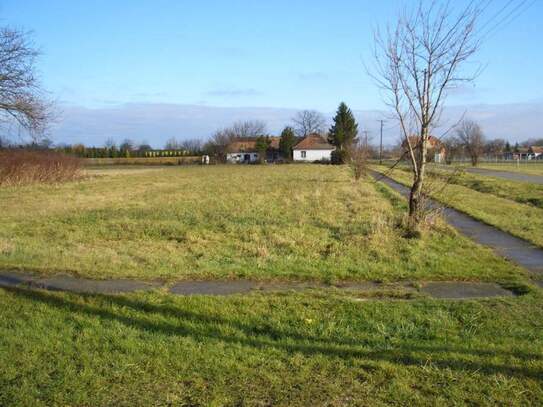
(338,157)
(18,167)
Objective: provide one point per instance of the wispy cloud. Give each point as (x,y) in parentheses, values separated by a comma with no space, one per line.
(234,92)
(156,122)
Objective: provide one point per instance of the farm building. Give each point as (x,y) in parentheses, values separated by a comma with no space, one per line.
(436,149)
(244,151)
(525,153)
(313,148)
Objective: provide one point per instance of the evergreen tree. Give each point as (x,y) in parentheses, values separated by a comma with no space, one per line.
(262,144)
(287,142)
(507,147)
(343,132)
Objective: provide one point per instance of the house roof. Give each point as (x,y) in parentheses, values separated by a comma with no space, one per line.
(248,145)
(433,142)
(537,149)
(313,142)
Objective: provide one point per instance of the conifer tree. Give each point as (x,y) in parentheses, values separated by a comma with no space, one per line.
(287,142)
(343,132)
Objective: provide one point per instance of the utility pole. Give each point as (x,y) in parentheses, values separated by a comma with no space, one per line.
(381,144)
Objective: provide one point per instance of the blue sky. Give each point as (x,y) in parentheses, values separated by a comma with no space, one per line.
(103,57)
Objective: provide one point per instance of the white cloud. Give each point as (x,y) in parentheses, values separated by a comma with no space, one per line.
(157,122)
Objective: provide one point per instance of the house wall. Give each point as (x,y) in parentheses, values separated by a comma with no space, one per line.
(312,155)
(239,157)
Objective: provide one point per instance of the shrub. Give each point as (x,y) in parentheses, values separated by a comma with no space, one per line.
(19,166)
(338,157)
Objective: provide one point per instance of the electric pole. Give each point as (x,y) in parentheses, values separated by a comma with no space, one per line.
(381,144)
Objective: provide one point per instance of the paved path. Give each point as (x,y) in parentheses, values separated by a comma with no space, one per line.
(512,248)
(512,176)
(403,290)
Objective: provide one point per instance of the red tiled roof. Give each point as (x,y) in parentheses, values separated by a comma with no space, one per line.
(314,142)
(414,140)
(248,145)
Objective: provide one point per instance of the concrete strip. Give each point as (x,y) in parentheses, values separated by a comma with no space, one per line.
(464,290)
(230,287)
(82,285)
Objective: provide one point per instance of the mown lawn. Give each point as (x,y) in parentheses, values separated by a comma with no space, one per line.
(522,192)
(260,222)
(522,220)
(532,168)
(285,350)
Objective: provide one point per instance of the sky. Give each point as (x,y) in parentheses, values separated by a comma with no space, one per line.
(151,70)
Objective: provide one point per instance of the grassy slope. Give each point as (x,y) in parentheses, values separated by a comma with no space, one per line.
(302,222)
(524,221)
(291,350)
(522,192)
(533,169)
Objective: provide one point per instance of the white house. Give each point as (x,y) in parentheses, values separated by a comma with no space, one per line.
(313,148)
(244,151)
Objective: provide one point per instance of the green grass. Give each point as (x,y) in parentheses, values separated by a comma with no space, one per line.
(532,168)
(261,222)
(522,220)
(522,192)
(285,350)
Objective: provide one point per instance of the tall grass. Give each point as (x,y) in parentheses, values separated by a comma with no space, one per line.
(19,167)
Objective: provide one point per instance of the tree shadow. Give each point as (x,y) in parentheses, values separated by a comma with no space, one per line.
(290,341)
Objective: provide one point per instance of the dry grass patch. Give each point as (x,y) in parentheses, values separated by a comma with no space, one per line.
(303,222)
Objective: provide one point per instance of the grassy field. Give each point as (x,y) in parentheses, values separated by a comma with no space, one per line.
(522,192)
(532,168)
(317,347)
(303,222)
(285,350)
(522,220)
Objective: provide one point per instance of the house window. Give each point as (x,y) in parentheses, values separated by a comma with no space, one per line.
(303,153)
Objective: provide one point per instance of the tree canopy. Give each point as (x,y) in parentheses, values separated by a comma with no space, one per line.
(344,130)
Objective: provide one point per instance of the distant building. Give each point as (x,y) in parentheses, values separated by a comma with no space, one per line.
(313,148)
(243,151)
(436,148)
(525,153)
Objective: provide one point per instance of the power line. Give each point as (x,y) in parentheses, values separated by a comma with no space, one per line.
(510,17)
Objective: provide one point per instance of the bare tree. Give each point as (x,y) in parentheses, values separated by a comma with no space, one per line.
(172,144)
(218,144)
(307,122)
(21,97)
(358,155)
(193,146)
(495,147)
(453,148)
(417,62)
(110,143)
(249,128)
(472,139)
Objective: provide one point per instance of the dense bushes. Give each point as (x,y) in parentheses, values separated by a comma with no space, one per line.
(19,166)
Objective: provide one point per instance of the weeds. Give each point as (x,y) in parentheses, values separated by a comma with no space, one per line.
(20,167)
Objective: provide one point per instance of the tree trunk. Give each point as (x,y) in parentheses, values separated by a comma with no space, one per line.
(416,210)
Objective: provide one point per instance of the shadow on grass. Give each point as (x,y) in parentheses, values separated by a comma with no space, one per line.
(258,335)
